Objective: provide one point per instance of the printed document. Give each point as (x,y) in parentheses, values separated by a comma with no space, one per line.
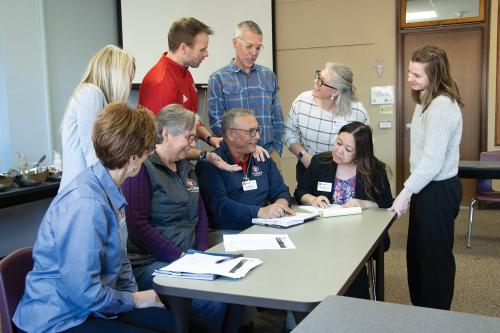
(285,221)
(240,242)
(205,267)
(332,210)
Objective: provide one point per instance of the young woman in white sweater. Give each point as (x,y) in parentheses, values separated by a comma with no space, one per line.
(107,79)
(433,185)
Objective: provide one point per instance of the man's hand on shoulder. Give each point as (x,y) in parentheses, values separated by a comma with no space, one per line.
(214,159)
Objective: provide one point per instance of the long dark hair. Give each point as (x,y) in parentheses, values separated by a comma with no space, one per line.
(437,69)
(366,162)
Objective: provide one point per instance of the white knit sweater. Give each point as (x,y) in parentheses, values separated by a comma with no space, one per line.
(434,143)
(76,131)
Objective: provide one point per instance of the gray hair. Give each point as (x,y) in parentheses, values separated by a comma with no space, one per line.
(175,118)
(342,78)
(250,25)
(230,116)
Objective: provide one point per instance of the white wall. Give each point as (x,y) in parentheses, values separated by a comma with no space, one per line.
(45,46)
(75,31)
(24,92)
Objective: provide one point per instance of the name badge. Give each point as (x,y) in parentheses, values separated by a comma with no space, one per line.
(324,187)
(249,185)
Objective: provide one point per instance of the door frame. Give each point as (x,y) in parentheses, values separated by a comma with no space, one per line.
(401,80)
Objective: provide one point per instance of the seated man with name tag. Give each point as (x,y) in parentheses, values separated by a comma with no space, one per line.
(234,198)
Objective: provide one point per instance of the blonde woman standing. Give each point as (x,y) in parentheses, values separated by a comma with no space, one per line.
(107,79)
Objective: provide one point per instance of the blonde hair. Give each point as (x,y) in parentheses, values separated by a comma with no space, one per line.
(342,78)
(111,70)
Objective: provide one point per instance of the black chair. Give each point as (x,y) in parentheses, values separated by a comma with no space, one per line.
(484,191)
(13,271)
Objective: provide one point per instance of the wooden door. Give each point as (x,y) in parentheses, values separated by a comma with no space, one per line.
(464,50)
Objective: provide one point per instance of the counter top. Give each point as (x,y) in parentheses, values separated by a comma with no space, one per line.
(17,195)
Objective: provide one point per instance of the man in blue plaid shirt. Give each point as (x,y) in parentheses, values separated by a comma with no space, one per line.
(244,84)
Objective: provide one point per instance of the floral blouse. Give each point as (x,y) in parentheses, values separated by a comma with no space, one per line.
(344,190)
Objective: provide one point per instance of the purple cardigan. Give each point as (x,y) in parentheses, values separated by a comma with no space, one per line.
(142,233)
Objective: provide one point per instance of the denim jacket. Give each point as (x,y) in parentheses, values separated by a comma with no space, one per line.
(80,262)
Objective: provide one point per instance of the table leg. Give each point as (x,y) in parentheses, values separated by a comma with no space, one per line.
(379,272)
(299,316)
(180,307)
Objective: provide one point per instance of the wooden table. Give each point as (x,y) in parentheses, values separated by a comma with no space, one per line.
(329,254)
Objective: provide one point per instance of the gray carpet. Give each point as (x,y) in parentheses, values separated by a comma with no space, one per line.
(477,281)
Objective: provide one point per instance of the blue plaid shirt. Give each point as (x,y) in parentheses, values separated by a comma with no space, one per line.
(230,87)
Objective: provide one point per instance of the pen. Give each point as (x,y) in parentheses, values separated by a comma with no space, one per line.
(238,266)
(229,258)
(280,242)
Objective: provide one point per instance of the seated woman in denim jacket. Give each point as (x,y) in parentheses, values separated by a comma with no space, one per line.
(82,280)
(349,175)
(165,216)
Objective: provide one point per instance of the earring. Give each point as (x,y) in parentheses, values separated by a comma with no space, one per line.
(331,98)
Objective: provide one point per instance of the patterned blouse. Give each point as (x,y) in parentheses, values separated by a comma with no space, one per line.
(344,190)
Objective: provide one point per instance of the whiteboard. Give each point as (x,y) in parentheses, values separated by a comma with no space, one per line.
(145,25)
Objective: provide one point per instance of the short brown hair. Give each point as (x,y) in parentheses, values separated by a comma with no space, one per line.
(121,132)
(184,30)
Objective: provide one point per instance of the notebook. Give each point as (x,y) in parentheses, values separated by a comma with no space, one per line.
(286,221)
(333,210)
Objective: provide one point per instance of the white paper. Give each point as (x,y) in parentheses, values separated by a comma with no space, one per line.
(240,242)
(332,210)
(382,95)
(286,221)
(200,263)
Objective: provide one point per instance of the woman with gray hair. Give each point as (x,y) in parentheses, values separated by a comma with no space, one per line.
(165,215)
(317,115)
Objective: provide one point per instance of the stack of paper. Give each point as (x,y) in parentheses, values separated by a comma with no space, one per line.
(204,266)
(333,210)
(285,221)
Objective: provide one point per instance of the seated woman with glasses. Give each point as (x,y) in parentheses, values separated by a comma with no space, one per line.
(317,115)
(82,280)
(348,175)
(165,216)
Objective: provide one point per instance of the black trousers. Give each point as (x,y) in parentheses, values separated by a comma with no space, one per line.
(429,251)
(146,320)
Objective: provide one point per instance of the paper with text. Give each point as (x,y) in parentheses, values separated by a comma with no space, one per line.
(240,242)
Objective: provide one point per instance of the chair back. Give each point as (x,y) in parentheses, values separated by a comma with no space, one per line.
(13,271)
(484,185)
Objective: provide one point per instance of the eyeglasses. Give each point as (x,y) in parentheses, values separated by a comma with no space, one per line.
(320,82)
(190,137)
(250,46)
(252,131)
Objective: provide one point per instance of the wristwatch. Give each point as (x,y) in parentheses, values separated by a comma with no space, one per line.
(301,154)
(203,155)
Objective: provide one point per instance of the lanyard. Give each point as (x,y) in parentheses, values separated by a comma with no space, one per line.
(245,173)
